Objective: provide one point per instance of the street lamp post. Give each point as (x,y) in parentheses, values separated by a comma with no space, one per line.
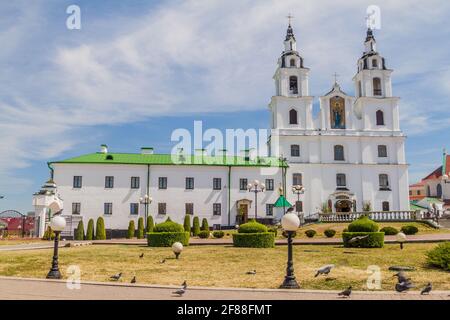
(401,238)
(256,187)
(58,223)
(290,223)
(146,200)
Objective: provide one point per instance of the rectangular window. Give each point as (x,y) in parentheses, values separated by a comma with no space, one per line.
(298,206)
(297,179)
(162,182)
(217,209)
(77,181)
(384,181)
(385,205)
(418,192)
(269,184)
(189,183)
(162,208)
(189,208)
(217,184)
(134,182)
(107,208)
(295,150)
(382,151)
(109,182)
(340,180)
(134,208)
(76,208)
(269,209)
(243,184)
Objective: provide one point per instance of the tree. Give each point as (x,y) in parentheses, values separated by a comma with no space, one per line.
(205,225)
(100,233)
(79,231)
(90,230)
(187,223)
(150,224)
(196,227)
(140,231)
(131,230)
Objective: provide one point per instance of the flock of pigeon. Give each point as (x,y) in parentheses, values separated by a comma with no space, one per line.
(403,284)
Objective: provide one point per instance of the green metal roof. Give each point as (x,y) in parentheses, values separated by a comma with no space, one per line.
(282,202)
(415,207)
(432,200)
(168,159)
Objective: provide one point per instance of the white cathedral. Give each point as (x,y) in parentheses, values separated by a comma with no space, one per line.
(350,158)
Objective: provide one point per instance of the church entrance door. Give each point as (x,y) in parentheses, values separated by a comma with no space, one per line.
(343,206)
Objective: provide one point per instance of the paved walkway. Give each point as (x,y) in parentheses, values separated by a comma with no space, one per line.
(41,289)
(434,237)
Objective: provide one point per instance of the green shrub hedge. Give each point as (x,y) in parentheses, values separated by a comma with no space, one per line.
(100,231)
(310,233)
(187,223)
(204,234)
(389,231)
(90,230)
(375,240)
(329,233)
(140,228)
(409,229)
(218,234)
(440,256)
(131,230)
(79,231)
(168,226)
(150,224)
(195,226)
(363,224)
(167,239)
(254,240)
(205,226)
(252,227)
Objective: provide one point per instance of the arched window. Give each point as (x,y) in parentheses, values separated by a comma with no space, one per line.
(374,63)
(376,86)
(383,181)
(439,190)
(338,152)
(295,150)
(385,205)
(293,116)
(428,191)
(380,118)
(293,85)
(292,63)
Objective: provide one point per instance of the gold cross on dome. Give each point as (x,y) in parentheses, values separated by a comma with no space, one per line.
(289,16)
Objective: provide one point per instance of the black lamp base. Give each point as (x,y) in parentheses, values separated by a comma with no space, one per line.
(54,274)
(290,283)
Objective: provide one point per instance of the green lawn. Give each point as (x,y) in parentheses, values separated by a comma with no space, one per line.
(225,266)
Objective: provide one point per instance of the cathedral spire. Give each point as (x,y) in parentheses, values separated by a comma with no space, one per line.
(370,43)
(290,44)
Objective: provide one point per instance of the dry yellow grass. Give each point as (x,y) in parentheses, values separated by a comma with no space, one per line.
(225,266)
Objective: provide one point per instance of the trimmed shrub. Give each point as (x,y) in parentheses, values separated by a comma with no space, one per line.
(195,227)
(439,256)
(218,234)
(203,234)
(409,229)
(150,224)
(167,239)
(187,223)
(252,227)
(100,232)
(140,229)
(254,240)
(79,232)
(168,226)
(363,224)
(389,231)
(48,234)
(205,225)
(310,233)
(131,230)
(374,240)
(329,233)
(345,230)
(90,230)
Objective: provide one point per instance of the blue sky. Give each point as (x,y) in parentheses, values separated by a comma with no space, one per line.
(138,69)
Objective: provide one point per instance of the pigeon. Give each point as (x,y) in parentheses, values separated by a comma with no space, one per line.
(357,238)
(133,280)
(427,289)
(324,269)
(401,277)
(253,272)
(116,277)
(346,293)
(403,286)
(181,291)
(141,255)
(163,261)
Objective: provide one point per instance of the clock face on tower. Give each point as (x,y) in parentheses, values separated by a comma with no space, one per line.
(337,113)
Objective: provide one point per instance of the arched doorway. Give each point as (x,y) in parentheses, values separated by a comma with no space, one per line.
(343,205)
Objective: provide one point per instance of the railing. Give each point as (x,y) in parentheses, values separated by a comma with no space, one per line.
(374,215)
